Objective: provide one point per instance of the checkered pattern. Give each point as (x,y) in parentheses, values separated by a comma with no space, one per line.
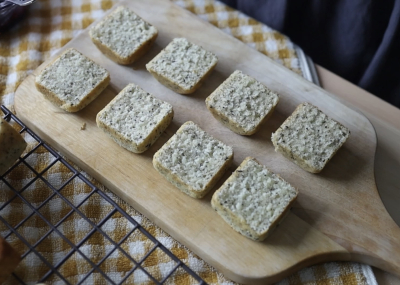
(51,24)
(115,246)
(253,33)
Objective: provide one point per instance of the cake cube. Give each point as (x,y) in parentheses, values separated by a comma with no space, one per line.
(242,104)
(182,66)
(135,119)
(254,200)
(193,160)
(309,138)
(123,36)
(12,145)
(72,81)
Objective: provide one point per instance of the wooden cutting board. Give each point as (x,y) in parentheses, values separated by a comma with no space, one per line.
(338,215)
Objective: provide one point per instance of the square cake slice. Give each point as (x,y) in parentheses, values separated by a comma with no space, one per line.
(309,138)
(72,81)
(135,119)
(12,145)
(123,36)
(242,104)
(254,200)
(192,160)
(182,66)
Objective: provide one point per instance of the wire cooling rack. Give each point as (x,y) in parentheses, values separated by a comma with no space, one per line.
(33,250)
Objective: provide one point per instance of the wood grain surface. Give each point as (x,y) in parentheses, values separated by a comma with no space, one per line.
(386,120)
(338,215)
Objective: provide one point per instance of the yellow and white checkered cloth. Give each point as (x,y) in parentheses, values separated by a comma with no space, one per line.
(49,25)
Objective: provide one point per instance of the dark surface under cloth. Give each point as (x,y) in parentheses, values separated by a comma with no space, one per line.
(359,39)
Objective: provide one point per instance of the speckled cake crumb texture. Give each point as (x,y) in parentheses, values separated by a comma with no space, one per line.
(242,103)
(182,65)
(12,145)
(253,199)
(72,81)
(135,119)
(193,160)
(309,138)
(122,35)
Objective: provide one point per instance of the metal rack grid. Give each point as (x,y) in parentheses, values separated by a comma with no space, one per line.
(97,227)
